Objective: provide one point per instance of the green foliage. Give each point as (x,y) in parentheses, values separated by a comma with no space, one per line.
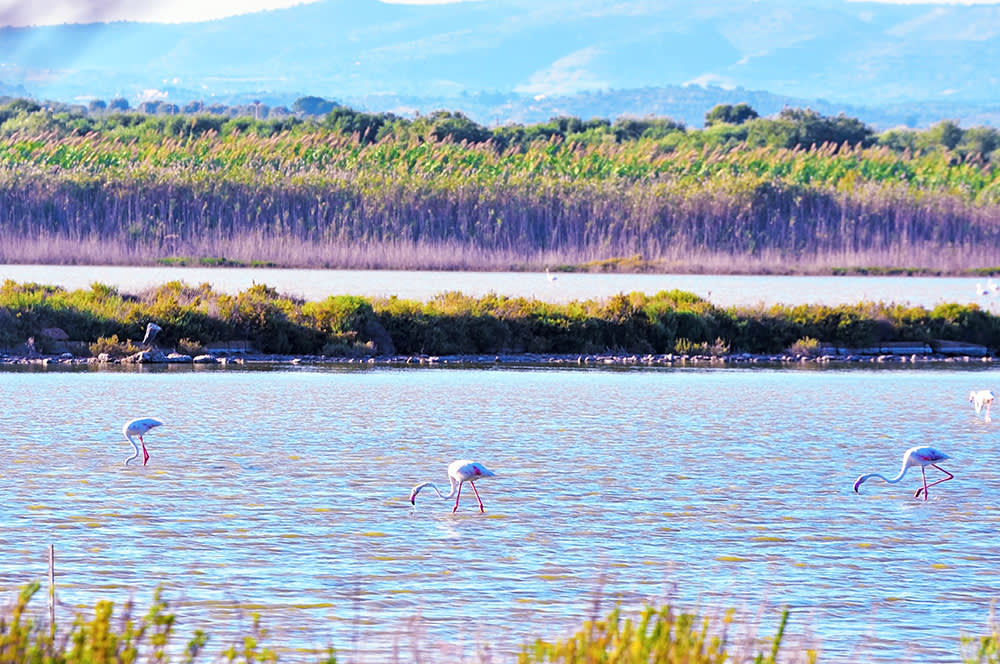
(730,114)
(113,347)
(105,637)
(453,323)
(657,635)
(313,105)
(806,346)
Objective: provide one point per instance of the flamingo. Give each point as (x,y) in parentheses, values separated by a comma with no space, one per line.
(982,399)
(915,456)
(549,275)
(459,472)
(139,427)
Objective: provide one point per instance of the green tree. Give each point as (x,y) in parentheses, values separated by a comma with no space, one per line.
(630,129)
(945,133)
(313,105)
(367,126)
(730,114)
(457,127)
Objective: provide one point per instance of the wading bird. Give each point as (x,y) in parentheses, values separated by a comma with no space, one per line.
(981,399)
(549,275)
(915,456)
(459,472)
(138,428)
(152,329)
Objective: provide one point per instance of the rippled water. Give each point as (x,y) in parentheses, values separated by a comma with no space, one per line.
(285,492)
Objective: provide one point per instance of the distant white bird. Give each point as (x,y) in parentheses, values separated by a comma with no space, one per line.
(549,275)
(459,472)
(137,428)
(981,399)
(980,289)
(915,456)
(992,285)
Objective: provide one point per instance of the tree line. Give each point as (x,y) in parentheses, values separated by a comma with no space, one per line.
(726,126)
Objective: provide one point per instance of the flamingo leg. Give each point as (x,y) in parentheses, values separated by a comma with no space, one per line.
(145,454)
(944,479)
(481,508)
(457,496)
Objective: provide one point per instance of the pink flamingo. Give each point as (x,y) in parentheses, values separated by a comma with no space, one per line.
(982,399)
(138,428)
(459,472)
(915,456)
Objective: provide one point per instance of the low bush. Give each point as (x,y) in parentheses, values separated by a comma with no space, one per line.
(453,323)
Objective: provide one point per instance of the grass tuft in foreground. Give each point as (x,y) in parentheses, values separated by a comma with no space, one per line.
(660,635)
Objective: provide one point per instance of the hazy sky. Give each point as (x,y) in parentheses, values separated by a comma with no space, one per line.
(48,12)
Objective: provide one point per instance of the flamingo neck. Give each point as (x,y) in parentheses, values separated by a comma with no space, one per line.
(451,494)
(134,447)
(902,472)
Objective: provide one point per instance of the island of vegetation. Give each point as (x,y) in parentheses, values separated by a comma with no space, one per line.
(38,321)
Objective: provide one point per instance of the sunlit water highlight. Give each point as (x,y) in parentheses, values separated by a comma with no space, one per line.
(285,492)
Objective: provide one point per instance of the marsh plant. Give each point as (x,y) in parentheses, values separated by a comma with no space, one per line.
(806,347)
(139,190)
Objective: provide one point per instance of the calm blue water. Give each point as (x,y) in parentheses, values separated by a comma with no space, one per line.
(722,290)
(285,492)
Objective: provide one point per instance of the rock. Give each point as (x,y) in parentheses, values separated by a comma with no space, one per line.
(204,359)
(146,357)
(55,333)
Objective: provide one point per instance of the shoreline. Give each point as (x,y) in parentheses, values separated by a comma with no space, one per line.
(965,354)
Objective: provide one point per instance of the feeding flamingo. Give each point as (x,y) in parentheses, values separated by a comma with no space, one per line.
(981,399)
(137,428)
(915,456)
(459,472)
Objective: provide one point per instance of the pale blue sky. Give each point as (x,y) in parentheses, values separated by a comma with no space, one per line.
(49,12)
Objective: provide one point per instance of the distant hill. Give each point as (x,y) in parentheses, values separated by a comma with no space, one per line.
(519,60)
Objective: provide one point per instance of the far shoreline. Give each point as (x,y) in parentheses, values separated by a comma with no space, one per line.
(969,355)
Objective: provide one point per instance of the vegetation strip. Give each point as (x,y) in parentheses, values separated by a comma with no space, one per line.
(664,327)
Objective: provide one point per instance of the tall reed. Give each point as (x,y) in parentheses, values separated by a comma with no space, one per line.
(319,198)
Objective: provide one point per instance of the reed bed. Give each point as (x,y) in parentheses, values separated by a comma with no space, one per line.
(319,198)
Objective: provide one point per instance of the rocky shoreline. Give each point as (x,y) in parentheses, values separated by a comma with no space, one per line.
(910,354)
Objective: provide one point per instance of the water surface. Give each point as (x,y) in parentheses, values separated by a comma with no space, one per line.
(722,290)
(285,492)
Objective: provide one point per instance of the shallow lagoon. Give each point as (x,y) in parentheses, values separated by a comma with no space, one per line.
(721,290)
(285,492)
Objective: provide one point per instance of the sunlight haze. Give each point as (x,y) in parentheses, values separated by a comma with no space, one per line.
(54,12)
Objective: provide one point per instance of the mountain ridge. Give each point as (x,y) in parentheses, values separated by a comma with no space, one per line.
(829,54)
